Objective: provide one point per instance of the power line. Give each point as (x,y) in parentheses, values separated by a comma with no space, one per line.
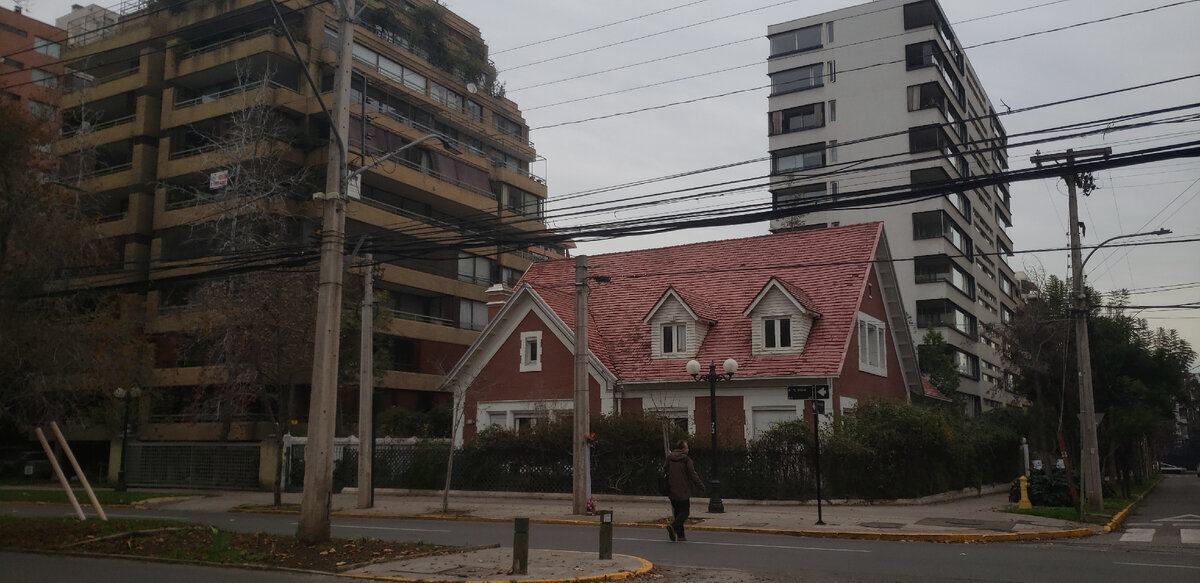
(595,28)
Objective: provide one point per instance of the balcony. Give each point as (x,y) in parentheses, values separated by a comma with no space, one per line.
(94,89)
(194,59)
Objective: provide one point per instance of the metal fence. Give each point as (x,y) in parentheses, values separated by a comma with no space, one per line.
(232,466)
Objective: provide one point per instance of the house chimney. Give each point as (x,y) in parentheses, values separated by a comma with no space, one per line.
(497,296)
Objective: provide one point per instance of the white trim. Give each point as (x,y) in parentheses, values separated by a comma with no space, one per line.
(774,282)
(663,299)
(531,363)
(512,410)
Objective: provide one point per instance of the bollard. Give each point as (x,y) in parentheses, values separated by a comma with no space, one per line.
(606,523)
(520,546)
(1024,503)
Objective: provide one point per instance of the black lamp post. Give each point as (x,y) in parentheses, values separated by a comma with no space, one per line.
(126,396)
(715,505)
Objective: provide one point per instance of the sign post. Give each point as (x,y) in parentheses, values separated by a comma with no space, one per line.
(817,394)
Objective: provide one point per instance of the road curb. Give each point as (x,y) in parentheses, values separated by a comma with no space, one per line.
(1120,516)
(644,567)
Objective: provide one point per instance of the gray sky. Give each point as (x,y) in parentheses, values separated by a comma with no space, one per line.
(711,132)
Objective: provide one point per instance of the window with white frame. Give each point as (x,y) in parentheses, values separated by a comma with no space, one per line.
(497,418)
(777,332)
(531,351)
(847,404)
(674,338)
(675,416)
(872,345)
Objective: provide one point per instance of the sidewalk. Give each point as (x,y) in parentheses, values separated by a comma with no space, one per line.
(970,518)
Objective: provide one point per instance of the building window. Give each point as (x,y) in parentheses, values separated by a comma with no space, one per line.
(676,416)
(829,32)
(919,14)
(940,268)
(926,96)
(872,345)
(797,196)
(797,79)
(42,110)
(832,110)
(934,224)
(674,338)
(763,419)
(47,47)
(1006,315)
(930,138)
(967,364)
(13,30)
(474,269)
(795,41)
(848,405)
(833,71)
(962,203)
(945,314)
(531,351)
(777,333)
(797,119)
(798,158)
(12,63)
(445,96)
(472,315)
(507,126)
(45,78)
(474,111)
(1006,285)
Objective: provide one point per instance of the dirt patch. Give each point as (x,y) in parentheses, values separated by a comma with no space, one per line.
(660,574)
(190,542)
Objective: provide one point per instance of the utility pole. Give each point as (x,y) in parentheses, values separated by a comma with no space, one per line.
(579,473)
(1090,459)
(318,451)
(366,389)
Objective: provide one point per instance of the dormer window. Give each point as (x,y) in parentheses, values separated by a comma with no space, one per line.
(777,332)
(674,338)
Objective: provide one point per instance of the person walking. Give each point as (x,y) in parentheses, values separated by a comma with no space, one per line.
(681,474)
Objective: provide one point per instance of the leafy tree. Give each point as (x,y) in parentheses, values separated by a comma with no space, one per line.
(933,357)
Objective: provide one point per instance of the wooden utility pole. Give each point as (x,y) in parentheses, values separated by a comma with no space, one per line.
(366,389)
(1089,463)
(318,450)
(582,421)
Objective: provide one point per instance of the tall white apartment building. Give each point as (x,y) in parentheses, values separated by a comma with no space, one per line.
(880,95)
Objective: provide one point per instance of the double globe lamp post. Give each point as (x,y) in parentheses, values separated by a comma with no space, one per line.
(715,505)
(127,396)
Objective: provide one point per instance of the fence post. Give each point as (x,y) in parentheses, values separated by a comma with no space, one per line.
(520,546)
(606,528)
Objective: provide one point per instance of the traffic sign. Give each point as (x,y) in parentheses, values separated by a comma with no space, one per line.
(819,406)
(808,392)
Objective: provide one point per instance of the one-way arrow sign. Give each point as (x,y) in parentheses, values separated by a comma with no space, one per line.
(808,392)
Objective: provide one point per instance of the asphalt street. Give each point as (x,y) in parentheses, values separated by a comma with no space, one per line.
(1154,545)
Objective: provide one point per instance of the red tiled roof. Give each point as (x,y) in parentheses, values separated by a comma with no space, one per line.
(932,391)
(829,267)
(800,296)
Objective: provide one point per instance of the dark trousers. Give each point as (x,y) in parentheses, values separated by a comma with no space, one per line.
(681,509)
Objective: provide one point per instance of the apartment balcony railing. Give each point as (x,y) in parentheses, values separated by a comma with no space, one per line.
(525,173)
(107,170)
(402,315)
(225,43)
(81,82)
(531,256)
(68,132)
(112,217)
(418,217)
(192,151)
(209,97)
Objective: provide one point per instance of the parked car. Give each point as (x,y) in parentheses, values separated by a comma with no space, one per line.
(1166,468)
(35,466)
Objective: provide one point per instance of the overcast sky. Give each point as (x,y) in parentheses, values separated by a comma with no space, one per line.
(662,141)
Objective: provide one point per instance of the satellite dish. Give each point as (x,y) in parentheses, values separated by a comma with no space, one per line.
(471,88)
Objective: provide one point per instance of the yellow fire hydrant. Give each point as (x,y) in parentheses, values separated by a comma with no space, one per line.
(1024,503)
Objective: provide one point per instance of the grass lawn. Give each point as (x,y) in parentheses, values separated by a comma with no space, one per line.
(197,542)
(1112,506)
(106,497)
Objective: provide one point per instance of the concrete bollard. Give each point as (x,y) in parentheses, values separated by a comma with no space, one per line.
(1024,503)
(606,525)
(520,546)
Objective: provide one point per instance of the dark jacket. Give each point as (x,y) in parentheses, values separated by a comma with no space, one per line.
(680,471)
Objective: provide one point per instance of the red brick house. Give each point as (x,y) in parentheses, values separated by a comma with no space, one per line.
(817,307)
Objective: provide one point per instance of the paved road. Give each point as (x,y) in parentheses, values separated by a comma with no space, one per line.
(1165,557)
(33,568)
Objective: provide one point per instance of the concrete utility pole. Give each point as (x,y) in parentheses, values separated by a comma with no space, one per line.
(582,420)
(366,389)
(1090,458)
(318,451)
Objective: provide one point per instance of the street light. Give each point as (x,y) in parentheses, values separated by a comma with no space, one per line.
(715,505)
(1111,239)
(126,396)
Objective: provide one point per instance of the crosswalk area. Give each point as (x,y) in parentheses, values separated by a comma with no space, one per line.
(1162,534)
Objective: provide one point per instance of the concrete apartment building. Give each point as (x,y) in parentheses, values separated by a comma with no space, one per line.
(148,98)
(30,64)
(880,95)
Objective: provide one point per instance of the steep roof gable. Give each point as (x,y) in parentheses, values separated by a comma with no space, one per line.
(695,308)
(828,268)
(803,303)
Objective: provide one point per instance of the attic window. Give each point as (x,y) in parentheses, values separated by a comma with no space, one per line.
(777,332)
(531,351)
(674,338)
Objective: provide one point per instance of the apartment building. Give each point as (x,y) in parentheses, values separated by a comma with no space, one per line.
(881,95)
(148,102)
(30,62)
